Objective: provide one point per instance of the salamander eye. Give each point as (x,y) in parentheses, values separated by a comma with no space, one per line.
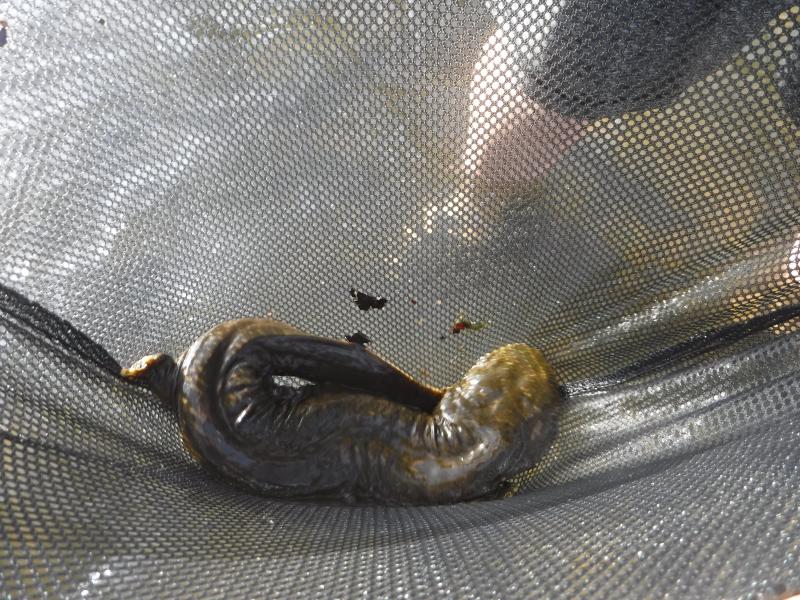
(141,366)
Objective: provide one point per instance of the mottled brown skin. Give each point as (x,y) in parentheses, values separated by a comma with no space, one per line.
(365,430)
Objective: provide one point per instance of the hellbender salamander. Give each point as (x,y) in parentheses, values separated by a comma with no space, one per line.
(364,430)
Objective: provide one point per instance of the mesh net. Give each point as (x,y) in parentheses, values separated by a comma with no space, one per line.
(599,179)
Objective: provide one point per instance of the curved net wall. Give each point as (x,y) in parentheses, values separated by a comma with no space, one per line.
(599,179)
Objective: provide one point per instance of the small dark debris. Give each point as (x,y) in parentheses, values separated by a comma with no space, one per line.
(413,301)
(101,20)
(443,336)
(358,338)
(778,587)
(365,301)
(3,33)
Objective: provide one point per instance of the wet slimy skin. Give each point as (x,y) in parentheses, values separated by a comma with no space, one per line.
(364,430)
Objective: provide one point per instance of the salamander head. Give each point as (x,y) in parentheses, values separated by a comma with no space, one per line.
(512,382)
(158,372)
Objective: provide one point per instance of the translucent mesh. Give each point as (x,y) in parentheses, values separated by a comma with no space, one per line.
(599,179)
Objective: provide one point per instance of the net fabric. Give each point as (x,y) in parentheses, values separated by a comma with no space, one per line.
(596,179)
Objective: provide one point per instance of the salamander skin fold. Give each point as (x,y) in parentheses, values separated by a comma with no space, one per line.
(363,430)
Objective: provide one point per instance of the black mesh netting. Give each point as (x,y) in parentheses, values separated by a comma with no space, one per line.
(601,179)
